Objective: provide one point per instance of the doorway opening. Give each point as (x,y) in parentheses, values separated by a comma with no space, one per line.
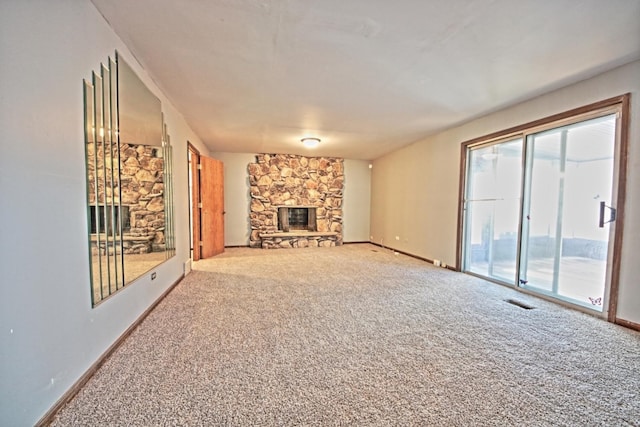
(193,158)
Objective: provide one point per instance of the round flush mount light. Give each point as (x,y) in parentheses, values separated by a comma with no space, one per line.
(310,142)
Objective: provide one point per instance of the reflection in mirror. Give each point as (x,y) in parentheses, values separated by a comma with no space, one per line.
(139,110)
(129,187)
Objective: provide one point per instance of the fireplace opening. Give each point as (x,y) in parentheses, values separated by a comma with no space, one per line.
(107,218)
(296,218)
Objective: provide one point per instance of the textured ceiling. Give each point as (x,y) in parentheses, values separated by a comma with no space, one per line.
(365,76)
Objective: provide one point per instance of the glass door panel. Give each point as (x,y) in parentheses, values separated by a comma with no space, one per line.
(492,205)
(569,174)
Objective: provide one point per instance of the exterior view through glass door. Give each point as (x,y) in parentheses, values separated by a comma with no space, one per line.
(565,238)
(492,206)
(538,208)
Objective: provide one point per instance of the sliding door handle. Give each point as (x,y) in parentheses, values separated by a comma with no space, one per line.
(612,214)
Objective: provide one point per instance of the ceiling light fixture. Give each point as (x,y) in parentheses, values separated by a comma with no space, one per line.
(310,142)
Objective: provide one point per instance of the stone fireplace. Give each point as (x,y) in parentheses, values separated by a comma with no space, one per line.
(140,202)
(296,201)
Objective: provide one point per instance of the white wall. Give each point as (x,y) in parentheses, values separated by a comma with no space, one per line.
(356,204)
(49,334)
(415,189)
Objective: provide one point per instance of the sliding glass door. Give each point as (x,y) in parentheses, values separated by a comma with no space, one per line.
(565,238)
(492,204)
(538,208)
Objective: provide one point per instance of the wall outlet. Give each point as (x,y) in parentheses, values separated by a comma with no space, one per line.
(436,262)
(397,237)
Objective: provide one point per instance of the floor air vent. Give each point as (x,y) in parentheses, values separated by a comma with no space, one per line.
(520,304)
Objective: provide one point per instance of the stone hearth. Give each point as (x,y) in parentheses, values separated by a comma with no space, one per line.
(281,180)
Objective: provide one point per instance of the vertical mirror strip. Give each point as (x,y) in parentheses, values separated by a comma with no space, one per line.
(95,214)
(103,202)
(172,247)
(119,252)
(168,192)
(90,158)
(110,194)
(101,184)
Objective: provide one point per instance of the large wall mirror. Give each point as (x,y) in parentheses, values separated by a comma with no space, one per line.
(129,179)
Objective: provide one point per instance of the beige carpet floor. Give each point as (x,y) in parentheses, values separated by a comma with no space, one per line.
(356,335)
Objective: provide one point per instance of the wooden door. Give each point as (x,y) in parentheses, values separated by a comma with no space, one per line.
(212,207)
